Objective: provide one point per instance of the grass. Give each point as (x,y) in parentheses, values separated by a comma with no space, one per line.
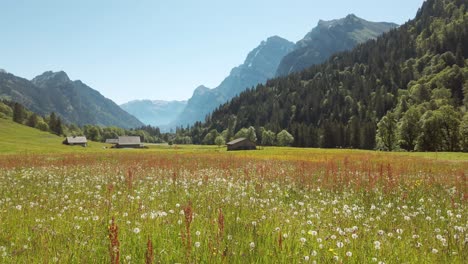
(16,138)
(23,139)
(202,204)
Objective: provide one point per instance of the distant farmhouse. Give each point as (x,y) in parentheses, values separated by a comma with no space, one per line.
(74,141)
(241,144)
(126,142)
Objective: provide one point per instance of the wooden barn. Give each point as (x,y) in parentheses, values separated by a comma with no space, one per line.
(129,142)
(241,144)
(76,141)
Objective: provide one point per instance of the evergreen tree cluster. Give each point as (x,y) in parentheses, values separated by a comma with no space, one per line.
(408,89)
(20,114)
(147,134)
(198,134)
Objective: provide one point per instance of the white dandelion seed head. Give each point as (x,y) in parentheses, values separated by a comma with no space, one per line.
(377,244)
(252,245)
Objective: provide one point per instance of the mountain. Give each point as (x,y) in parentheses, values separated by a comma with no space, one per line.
(407,89)
(73,101)
(156,113)
(260,65)
(330,37)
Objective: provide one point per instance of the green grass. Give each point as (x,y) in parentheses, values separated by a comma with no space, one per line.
(16,138)
(279,205)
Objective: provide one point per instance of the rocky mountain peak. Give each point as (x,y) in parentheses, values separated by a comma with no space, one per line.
(201,90)
(59,77)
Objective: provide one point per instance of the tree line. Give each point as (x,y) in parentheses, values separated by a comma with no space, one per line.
(53,123)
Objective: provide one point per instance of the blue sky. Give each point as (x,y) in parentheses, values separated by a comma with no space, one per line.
(157,49)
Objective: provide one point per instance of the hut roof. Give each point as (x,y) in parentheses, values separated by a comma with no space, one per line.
(235,141)
(129,140)
(112,140)
(77,140)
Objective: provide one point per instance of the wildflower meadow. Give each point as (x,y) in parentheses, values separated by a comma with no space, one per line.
(220,207)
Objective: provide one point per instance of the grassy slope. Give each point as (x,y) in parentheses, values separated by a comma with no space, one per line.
(18,139)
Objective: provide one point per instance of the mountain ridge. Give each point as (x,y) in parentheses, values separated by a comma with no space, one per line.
(73,101)
(330,37)
(155,112)
(259,65)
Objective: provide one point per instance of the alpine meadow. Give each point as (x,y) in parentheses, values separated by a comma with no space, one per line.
(347,146)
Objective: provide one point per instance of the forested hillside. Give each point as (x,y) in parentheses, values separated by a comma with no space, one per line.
(407,89)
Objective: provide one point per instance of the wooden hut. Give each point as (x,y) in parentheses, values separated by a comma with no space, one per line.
(241,144)
(76,141)
(129,142)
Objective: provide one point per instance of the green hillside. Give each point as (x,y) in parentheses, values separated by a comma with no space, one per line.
(16,138)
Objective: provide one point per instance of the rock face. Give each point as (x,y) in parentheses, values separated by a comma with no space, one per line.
(156,113)
(330,37)
(259,66)
(73,101)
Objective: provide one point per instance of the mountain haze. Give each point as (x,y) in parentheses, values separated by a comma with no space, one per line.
(156,113)
(73,101)
(329,37)
(260,65)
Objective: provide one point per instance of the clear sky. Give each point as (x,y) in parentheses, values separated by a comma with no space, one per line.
(160,49)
